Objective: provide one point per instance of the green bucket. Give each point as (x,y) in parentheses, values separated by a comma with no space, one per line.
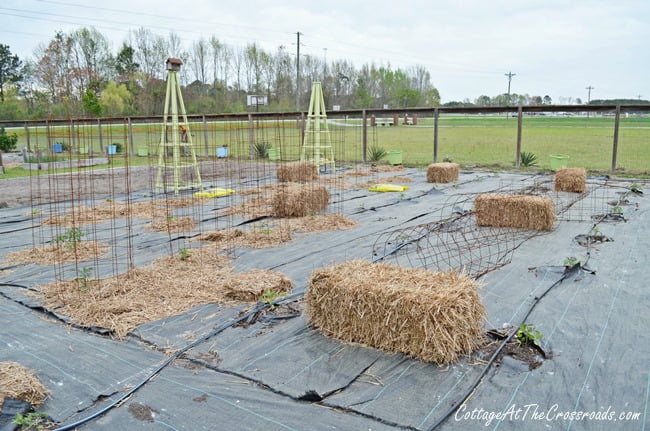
(559,161)
(143,151)
(274,154)
(394,157)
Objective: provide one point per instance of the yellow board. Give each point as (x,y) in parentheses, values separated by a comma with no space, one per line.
(214,193)
(387,188)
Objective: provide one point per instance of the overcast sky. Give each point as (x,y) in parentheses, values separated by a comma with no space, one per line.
(555,47)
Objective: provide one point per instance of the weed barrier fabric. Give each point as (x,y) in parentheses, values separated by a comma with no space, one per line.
(76,368)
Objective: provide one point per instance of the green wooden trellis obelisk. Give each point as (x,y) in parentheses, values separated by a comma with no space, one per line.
(177,166)
(317,143)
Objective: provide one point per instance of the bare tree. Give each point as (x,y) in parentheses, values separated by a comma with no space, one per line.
(199,57)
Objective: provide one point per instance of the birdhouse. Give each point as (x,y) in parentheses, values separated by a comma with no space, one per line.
(174,64)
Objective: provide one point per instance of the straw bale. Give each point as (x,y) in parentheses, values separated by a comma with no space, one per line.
(19,383)
(49,254)
(171,224)
(249,286)
(299,200)
(297,171)
(434,317)
(572,180)
(520,211)
(442,172)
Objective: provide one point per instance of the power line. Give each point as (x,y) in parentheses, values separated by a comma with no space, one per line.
(509,75)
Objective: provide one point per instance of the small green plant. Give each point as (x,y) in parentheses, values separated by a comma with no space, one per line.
(270,296)
(447,159)
(376,153)
(571,261)
(262,150)
(36,212)
(184,254)
(65,146)
(70,238)
(171,218)
(402,195)
(83,276)
(527,334)
(109,200)
(617,210)
(595,231)
(634,188)
(119,148)
(527,159)
(32,420)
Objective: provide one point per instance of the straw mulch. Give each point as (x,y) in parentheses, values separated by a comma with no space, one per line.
(395,180)
(110,210)
(49,254)
(442,172)
(357,173)
(167,287)
(386,168)
(434,317)
(521,211)
(250,286)
(171,224)
(320,223)
(299,200)
(297,172)
(572,180)
(259,206)
(262,237)
(19,383)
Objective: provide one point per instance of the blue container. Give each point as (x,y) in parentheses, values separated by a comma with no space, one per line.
(111,149)
(222,152)
(57,148)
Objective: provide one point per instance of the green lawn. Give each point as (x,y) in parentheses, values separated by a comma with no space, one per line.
(469,140)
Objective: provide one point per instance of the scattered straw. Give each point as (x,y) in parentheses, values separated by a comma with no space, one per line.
(395,180)
(259,237)
(572,180)
(434,317)
(259,206)
(299,200)
(171,224)
(442,172)
(321,222)
(521,211)
(169,286)
(49,254)
(249,286)
(19,383)
(297,172)
(386,168)
(357,173)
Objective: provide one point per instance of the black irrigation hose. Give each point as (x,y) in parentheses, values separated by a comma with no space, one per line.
(474,385)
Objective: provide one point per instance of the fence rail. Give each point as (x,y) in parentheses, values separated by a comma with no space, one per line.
(364,120)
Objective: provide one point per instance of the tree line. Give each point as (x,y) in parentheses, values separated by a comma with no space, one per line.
(78,74)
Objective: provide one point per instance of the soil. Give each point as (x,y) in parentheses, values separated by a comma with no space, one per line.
(142,412)
(529,353)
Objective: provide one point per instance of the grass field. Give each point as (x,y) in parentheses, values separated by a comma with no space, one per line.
(469,140)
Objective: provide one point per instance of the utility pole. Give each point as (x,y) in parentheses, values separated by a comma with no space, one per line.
(589,93)
(589,96)
(639,97)
(509,75)
(298,71)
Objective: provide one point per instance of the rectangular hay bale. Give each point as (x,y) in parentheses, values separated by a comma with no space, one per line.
(299,200)
(520,211)
(433,317)
(297,172)
(572,180)
(442,172)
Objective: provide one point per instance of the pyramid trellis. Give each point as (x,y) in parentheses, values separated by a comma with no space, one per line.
(177,165)
(317,143)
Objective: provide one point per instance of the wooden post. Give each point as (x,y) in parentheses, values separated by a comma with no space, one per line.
(436,115)
(205,136)
(73,141)
(29,147)
(251,137)
(49,133)
(520,121)
(617,122)
(364,136)
(101,137)
(131,136)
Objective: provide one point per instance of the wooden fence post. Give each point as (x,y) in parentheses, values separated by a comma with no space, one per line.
(520,121)
(251,137)
(436,114)
(364,136)
(617,122)
(131,136)
(101,137)
(205,136)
